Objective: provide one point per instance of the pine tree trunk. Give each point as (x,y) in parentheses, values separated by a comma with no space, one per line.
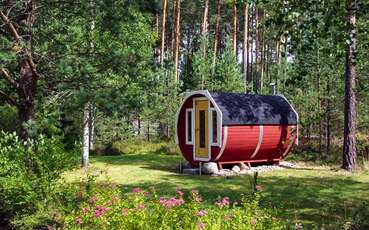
(267,57)
(204,28)
(349,138)
(26,84)
(234,28)
(163,25)
(245,50)
(328,118)
(176,38)
(262,56)
(217,35)
(278,50)
(319,101)
(156,54)
(257,48)
(251,46)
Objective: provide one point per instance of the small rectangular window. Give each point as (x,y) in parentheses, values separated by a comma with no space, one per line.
(214,127)
(202,128)
(189,126)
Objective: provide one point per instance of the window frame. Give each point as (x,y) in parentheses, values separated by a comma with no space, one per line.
(212,143)
(190,110)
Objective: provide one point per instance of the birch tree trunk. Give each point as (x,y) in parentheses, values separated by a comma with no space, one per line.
(86,136)
(92,109)
(349,138)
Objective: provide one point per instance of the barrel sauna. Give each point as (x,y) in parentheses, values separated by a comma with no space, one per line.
(230,128)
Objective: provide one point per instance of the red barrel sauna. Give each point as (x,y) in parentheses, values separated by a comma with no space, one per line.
(230,128)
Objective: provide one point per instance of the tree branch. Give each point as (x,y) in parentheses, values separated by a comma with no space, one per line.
(10,25)
(8,98)
(19,40)
(7,77)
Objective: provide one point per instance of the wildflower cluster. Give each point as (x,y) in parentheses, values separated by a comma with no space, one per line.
(100,210)
(113,209)
(222,202)
(169,203)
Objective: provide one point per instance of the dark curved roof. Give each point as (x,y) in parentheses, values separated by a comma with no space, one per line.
(250,109)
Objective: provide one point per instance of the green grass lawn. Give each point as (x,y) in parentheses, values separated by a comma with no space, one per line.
(311,195)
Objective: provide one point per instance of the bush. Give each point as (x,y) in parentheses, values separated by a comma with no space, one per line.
(107,207)
(8,118)
(138,146)
(28,175)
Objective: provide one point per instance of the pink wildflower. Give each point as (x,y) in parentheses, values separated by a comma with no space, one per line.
(141,206)
(93,200)
(78,221)
(124,211)
(227,218)
(253,221)
(109,203)
(201,213)
(146,193)
(223,202)
(258,187)
(179,192)
(196,196)
(99,211)
(85,210)
(136,190)
(201,225)
(169,203)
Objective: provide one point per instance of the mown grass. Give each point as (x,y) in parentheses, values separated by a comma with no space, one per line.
(314,196)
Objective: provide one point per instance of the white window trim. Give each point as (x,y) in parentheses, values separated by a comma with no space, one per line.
(212,143)
(192,126)
(206,94)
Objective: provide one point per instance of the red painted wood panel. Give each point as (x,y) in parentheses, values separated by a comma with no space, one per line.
(241,141)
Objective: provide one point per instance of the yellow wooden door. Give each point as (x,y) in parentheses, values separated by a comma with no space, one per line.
(201,129)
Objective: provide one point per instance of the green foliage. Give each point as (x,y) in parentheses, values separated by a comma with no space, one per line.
(227,76)
(137,145)
(29,172)
(112,209)
(224,76)
(8,118)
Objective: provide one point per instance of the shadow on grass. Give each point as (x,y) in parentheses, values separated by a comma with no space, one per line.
(309,198)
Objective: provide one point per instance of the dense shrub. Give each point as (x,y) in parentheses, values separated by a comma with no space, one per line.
(28,175)
(107,207)
(137,146)
(8,118)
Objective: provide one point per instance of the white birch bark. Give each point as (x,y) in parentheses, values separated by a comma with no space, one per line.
(92,110)
(86,136)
